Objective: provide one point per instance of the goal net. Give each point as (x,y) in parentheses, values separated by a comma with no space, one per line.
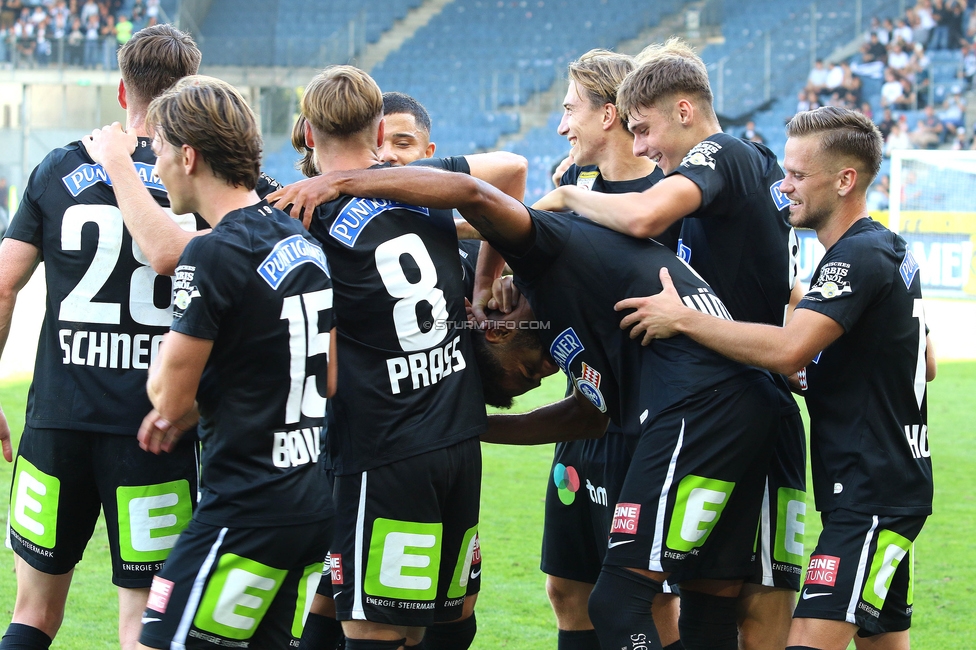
(933,206)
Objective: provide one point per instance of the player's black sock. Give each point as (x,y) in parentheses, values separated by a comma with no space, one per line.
(620,608)
(370,644)
(24,637)
(321,633)
(577,640)
(456,635)
(707,622)
(677,645)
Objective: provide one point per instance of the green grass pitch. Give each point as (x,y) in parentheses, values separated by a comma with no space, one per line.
(513,611)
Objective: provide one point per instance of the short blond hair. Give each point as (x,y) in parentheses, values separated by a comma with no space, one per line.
(341,101)
(598,74)
(210,116)
(665,71)
(844,134)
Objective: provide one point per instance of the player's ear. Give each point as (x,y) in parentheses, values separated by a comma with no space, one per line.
(122,100)
(381,133)
(190,159)
(685,111)
(429,152)
(495,334)
(846,181)
(309,137)
(609,116)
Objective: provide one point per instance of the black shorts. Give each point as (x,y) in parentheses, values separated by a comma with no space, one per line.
(406,536)
(861,572)
(62,478)
(779,546)
(236,587)
(584,484)
(691,499)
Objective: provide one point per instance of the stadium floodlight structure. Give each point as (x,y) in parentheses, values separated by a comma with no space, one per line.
(933,206)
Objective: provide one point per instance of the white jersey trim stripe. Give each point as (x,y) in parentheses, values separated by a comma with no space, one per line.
(654,564)
(196,592)
(357,603)
(862,568)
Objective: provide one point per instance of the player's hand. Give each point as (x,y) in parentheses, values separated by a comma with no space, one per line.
(554,201)
(304,196)
(557,175)
(157,434)
(8,451)
(505,295)
(110,143)
(655,316)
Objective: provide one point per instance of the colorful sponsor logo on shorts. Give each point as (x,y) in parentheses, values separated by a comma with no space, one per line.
(823,570)
(626,516)
(306,594)
(151,518)
(790,525)
(335,562)
(403,560)
(237,596)
(698,508)
(464,568)
(159,594)
(34,504)
(567,482)
(891,550)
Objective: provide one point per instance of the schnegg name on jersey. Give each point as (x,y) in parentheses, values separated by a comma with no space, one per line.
(422,369)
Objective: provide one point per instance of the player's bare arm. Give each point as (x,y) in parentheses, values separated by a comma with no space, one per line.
(17,263)
(489,268)
(159,237)
(644,214)
(572,418)
(172,389)
(780,349)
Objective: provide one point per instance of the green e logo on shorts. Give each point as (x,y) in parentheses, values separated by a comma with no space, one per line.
(34,504)
(700,502)
(306,592)
(238,595)
(404,560)
(151,517)
(892,549)
(790,525)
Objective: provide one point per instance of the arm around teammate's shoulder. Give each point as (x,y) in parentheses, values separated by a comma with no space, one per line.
(780,349)
(571,418)
(644,214)
(506,171)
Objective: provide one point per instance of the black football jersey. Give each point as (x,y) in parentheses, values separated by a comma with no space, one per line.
(572,285)
(408,383)
(589,178)
(258,286)
(740,239)
(866,392)
(106,309)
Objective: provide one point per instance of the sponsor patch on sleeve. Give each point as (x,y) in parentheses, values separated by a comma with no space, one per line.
(779,199)
(908,269)
(587,179)
(183,289)
(565,348)
(832,280)
(702,155)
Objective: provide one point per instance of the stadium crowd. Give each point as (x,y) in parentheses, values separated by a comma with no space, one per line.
(78,33)
(313,400)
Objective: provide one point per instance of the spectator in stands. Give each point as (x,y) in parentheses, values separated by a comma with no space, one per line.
(877,198)
(867,111)
(929,130)
(74,51)
(750,133)
(835,78)
(953,113)
(879,31)
(960,141)
(902,32)
(940,35)
(926,23)
(109,46)
(89,9)
(42,47)
(802,102)
(123,32)
(91,40)
(817,79)
(954,22)
(892,92)
(897,138)
(898,58)
(869,66)
(969,62)
(887,121)
(875,48)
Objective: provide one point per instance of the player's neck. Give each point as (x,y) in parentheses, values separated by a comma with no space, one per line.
(342,157)
(220,199)
(135,120)
(620,163)
(845,217)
